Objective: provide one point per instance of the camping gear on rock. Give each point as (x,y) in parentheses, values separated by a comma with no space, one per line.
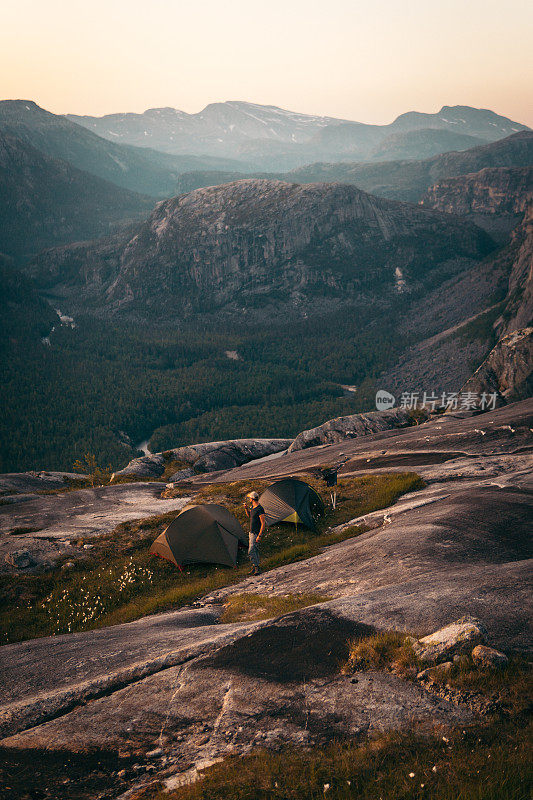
(206,534)
(291,500)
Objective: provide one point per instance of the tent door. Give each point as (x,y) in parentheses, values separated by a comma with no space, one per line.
(293,518)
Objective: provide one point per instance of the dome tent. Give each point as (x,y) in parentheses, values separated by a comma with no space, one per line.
(291,500)
(207,534)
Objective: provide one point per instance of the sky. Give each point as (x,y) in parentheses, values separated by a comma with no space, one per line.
(353,59)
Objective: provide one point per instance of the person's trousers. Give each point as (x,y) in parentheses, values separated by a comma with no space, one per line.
(253,552)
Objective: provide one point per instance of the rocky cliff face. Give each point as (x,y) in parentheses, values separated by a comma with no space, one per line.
(500,193)
(519,310)
(259,243)
(507,370)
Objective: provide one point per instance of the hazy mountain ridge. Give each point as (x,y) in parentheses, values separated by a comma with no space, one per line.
(397,180)
(141,170)
(45,202)
(276,138)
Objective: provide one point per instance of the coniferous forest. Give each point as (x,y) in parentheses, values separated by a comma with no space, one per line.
(103,387)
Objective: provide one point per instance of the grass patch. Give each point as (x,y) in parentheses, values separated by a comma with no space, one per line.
(390,650)
(482,762)
(119,581)
(172,465)
(22,531)
(248,607)
(511,686)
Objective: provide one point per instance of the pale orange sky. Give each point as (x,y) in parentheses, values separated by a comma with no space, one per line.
(344,58)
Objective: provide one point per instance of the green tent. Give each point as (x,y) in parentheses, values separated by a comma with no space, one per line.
(207,534)
(291,500)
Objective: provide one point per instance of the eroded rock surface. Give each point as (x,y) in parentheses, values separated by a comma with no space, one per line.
(205,457)
(178,690)
(351,427)
(456,639)
(48,526)
(507,370)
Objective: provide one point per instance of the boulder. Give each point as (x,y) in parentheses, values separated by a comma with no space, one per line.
(351,427)
(236,453)
(454,639)
(204,457)
(151,466)
(181,475)
(489,657)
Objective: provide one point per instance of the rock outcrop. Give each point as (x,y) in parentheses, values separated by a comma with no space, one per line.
(205,457)
(458,638)
(14,483)
(176,690)
(263,247)
(351,427)
(496,196)
(507,370)
(519,304)
(489,657)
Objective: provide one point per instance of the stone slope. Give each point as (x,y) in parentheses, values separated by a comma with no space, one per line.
(176,690)
(38,529)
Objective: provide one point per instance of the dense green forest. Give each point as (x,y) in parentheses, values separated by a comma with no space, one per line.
(102,387)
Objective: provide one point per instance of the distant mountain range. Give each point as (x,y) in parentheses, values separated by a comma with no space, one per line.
(406,180)
(45,202)
(272,138)
(141,170)
(257,248)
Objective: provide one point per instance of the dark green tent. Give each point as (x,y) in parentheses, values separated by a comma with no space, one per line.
(207,534)
(291,500)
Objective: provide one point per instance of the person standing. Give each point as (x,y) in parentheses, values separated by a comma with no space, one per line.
(257,516)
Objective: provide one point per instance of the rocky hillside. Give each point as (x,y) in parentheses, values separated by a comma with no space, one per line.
(260,244)
(496,195)
(507,370)
(287,662)
(519,303)
(45,202)
(396,179)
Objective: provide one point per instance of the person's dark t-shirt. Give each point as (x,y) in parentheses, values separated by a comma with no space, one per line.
(255,522)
